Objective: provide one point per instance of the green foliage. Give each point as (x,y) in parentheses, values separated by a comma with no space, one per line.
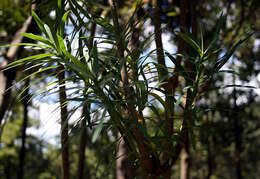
(9,149)
(92,78)
(100,70)
(13,14)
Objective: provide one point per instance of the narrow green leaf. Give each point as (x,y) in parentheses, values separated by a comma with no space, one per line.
(29,59)
(38,38)
(201,40)
(157,97)
(142,94)
(95,65)
(77,66)
(59,4)
(105,23)
(65,16)
(62,44)
(79,18)
(216,35)
(49,33)
(155,111)
(178,66)
(190,41)
(39,22)
(227,56)
(79,7)
(40,46)
(97,131)
(99,127)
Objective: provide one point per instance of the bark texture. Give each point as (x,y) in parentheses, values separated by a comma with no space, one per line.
(184,159)
(64,124)
(147,157)
(169,86)
(124,169)
(82,146)
(188,9)
(63,100)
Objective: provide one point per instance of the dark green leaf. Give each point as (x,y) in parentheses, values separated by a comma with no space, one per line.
(190,41)
(39,22)
(212,44)
(226,57)
(178,66)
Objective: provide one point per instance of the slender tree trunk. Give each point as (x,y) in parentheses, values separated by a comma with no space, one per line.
(162,70)
(64,124)
(210,157)
(191,6)
(82,144)
(237,131)
(9,75)
(63,100)
(85,114)
(120,168)
(184,159)
(124,169)
(86,109)
(185,163)
(210,160)
(185,151)
(22,153)
(148,159)
(169,86)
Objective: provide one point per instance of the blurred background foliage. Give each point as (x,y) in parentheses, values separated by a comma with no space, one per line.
(232,116)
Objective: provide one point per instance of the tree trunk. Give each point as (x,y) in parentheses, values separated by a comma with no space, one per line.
(82,145)
(130,111)
(124,169)
(184,159)
(169,86)
(9,75)
(85,112)
(184,163)
(63,101)
(185,151)
(185,25)
(163,73)
(210,157)
(25,101)
(237,130)
(64,124)
(210,161)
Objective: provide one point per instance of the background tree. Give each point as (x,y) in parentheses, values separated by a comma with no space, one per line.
(189,101)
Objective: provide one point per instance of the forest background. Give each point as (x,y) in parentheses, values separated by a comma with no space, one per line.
(129,89)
